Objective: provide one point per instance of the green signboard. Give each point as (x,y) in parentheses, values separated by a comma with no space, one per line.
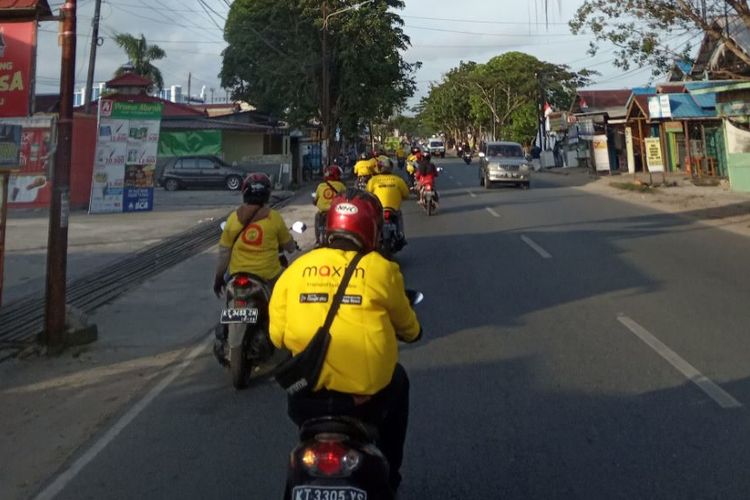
(136,110)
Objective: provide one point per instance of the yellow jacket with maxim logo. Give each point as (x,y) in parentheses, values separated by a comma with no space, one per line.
(390,189)
(363,350)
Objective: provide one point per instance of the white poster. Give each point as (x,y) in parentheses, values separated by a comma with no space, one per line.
(629,148)
(601,153)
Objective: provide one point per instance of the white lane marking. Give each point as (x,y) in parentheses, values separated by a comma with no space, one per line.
(492,212)
(541,251)
(71,472)
(459,183)
(472,194)
(722,398)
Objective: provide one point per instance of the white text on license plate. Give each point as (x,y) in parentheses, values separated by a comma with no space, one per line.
(328,493)
(239,315)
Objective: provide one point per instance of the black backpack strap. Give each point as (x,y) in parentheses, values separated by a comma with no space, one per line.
(342,289)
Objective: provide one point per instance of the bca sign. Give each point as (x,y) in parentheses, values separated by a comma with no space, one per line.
(16,53)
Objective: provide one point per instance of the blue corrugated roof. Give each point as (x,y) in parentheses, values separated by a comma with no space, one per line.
(684,106)
(705,101)
(644,90)
(685,66)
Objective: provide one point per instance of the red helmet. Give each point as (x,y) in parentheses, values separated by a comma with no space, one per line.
(356,215)
(256,189)
(332,173)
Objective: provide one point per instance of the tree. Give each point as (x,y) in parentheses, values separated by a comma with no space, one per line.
(648,32)
(502,96)
(274,60)
(141,54)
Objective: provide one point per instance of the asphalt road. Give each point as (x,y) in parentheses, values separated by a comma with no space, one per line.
(575,347)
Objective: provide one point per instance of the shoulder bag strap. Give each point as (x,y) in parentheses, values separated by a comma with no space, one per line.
(340,292)
(244,228)
(332,187)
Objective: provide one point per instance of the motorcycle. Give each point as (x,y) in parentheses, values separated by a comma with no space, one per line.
(242,339)
(467,157)
(391,239)
(428,198)
(361,182)
(337,457)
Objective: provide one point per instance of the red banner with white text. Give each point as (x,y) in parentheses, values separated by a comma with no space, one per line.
(16,53)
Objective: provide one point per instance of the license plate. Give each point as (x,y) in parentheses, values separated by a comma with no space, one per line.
(328,493)
(239,315)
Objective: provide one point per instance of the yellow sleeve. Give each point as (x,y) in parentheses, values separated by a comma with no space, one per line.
(283,231)
(277,311)
(402,315)
(231,229)
(371,185)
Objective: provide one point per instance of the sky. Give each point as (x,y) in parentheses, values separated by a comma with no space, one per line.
(442,32)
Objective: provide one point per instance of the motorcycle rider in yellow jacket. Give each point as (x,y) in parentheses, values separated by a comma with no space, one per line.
(361,376)
(391,190)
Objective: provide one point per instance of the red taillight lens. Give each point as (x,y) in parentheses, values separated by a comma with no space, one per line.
(330,458)
(242,282)
(387,215)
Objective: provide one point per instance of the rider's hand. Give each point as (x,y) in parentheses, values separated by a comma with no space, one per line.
(219,285)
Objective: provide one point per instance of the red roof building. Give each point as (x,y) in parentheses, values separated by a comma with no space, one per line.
(25,9)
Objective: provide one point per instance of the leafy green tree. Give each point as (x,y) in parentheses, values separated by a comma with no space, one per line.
(652,32)
(141,54)
(502,97)
(274,60)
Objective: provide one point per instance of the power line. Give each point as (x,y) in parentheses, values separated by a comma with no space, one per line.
(489,34)
(479,21)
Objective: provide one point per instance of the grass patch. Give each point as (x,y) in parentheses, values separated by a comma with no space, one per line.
(632,186)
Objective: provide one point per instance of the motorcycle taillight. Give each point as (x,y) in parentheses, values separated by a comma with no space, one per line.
(330,457)
(242,282)
(387,215)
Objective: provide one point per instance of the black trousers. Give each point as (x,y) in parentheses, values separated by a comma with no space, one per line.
(388,410)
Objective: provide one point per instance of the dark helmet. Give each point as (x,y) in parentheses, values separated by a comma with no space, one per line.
(415,150)
(357,216)
(332,173)
(256,189)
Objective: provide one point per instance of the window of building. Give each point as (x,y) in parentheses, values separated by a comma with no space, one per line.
(273,144)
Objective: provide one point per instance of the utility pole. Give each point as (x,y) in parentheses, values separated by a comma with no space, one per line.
(188,95)
(57,246)
(325,101)
(92,56)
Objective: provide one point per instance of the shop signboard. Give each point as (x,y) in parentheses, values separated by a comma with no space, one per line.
(654,158)
(125,160)
(659,106)
(17,40)
(28,183)
(10,146)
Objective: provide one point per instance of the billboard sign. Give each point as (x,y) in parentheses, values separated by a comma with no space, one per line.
(16,60)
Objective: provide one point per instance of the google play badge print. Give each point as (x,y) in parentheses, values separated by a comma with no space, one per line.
(346,209)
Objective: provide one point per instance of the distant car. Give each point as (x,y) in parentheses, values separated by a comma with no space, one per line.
(436,147)
(197,171)
(504,163)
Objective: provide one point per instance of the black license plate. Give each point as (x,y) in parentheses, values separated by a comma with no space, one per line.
(328,493)
(239,315)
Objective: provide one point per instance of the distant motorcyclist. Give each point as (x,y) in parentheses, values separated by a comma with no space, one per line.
(426,174)
(391,190)
(411,164)
(364,169)
(326,191)
(361,376)
(401,156)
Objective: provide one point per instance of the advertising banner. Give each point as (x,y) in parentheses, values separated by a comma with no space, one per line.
(28,180)
(601,153)
(125,161)
(16,55)
(654,159)
(738,140)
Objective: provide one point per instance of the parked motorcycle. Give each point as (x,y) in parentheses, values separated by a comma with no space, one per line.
(337,457)
(391,239)
(242,339)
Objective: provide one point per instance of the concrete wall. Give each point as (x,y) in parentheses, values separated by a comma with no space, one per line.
(238,145)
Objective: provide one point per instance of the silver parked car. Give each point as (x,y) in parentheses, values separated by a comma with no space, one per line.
(504,163)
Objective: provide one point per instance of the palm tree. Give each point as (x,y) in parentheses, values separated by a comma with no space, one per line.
(141,54)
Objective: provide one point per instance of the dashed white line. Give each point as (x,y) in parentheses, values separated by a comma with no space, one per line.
(541,251)
(722,398)
(472,194)
(69,474)
(492,212)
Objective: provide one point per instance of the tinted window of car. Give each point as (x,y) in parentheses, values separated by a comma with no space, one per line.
(505,150)
(436,144)
(205,164)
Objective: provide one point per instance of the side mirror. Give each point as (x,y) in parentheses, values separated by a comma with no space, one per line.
(299,227)
(223,225)
(481,155)
(415,296)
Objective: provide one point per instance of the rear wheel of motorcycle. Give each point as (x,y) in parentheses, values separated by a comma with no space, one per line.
(239,367)
(430,207)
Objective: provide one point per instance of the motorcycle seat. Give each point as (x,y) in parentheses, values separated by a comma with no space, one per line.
(338,424)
